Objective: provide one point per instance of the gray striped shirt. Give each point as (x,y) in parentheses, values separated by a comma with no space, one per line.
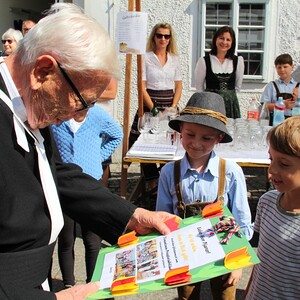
(278,274)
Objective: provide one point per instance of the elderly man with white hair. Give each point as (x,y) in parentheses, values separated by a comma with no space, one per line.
(60,67)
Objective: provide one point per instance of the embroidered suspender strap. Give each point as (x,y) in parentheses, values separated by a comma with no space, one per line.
(276,88)
(221,187)
(222,179)
(178,189)
(283,95)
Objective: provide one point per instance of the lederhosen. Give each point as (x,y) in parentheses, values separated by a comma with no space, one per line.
(192,291)
(223,84)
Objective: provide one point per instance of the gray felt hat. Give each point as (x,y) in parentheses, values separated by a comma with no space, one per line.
(207,109)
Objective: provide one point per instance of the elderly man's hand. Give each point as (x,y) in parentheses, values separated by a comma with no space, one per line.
(78,292)
(144,221)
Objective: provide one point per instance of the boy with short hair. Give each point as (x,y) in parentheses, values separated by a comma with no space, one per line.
(202,125)
(278,219)
(285,86)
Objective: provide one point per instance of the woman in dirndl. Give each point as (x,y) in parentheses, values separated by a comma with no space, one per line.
(161,82)
(221,71)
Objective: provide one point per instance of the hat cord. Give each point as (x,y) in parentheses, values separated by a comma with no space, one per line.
(201,111)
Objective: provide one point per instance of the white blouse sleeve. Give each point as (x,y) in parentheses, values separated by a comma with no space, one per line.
(200,74)
(239,73)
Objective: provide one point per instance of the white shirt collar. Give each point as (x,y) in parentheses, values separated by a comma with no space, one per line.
(15,103)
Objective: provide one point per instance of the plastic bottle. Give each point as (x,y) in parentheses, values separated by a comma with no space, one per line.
(253,110)
(296,108)
(264,117)
(279,109)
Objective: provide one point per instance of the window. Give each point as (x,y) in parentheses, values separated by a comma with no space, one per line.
(248,19)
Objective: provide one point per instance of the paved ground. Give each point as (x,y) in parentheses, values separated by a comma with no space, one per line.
(255,178)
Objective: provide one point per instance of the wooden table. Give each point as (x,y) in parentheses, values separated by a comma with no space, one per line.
(244,158)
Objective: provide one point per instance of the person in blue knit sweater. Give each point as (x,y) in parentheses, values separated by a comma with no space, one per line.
(80,141)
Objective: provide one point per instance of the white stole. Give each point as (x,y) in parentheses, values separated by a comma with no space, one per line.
(19,117)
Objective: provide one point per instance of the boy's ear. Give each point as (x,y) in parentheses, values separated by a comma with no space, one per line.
(221,137)
(180,126)
(45,66)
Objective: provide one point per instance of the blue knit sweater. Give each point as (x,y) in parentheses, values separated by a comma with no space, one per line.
(86,147)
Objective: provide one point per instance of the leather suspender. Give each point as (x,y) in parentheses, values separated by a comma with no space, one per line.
(277,89)
(178,188)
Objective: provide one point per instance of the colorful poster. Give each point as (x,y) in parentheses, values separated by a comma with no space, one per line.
(149,260)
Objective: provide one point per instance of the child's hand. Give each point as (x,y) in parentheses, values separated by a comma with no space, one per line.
(295,93)
(232,278)
(289,103)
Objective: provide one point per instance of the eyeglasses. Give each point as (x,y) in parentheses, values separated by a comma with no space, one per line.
(9,41)
(75,90)
(160,36)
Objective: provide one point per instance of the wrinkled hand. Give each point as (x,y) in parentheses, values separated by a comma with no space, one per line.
(145,221)
(232,278)
(78,292)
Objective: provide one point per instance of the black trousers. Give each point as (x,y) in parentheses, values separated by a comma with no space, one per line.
(66,240)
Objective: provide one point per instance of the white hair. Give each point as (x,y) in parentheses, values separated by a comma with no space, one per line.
(13,34)
(75,40)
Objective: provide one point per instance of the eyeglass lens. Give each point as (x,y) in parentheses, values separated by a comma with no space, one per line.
(9,41)
(160,36)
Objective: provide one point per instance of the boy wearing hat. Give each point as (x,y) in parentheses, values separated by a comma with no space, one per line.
(202,125)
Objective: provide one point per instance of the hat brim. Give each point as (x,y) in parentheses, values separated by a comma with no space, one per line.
(202,120)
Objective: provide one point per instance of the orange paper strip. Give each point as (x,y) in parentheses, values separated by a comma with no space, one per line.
(237,259)
(124,285)
(212,210)
(127,239)
(177,276)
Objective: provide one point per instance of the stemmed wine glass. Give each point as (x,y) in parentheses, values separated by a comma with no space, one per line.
(144,124)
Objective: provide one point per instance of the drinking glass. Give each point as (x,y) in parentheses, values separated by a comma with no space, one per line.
(255,134)
(241,139)
(144,125)
(264,144)
(154,124)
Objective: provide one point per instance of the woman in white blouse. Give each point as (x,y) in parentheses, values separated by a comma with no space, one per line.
(221,71)
(162,85)
(162,78)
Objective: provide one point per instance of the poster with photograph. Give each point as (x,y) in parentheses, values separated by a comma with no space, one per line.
(154,255)
(150,260)
(132,32)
